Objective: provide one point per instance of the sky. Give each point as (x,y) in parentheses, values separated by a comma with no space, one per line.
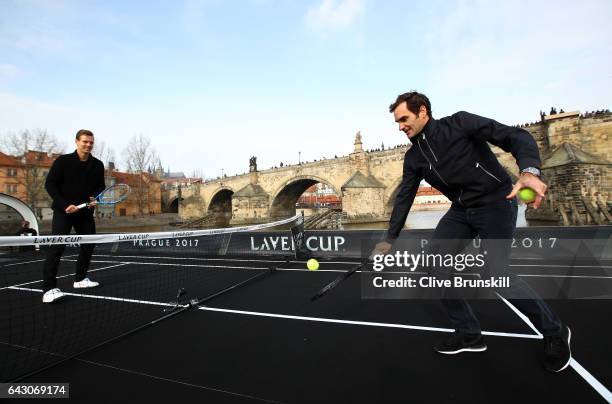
(212,82)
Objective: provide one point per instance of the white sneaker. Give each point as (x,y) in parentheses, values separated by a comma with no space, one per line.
(52,295)
(85,283)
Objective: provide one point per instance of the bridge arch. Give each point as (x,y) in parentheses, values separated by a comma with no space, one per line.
(220,205)
(173,205)
(390,197)
(284,198)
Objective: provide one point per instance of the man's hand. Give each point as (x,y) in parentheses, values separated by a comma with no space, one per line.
(533,182)
(381,248)
(92,202)
(71,209)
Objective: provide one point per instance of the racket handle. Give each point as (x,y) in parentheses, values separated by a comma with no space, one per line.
(81,206)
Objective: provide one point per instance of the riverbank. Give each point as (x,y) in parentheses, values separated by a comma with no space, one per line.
(121,224)
(424,219)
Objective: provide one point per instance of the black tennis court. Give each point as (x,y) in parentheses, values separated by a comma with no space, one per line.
(267,342)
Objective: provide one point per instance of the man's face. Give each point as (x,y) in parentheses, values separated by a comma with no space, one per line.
(84,144)
(409,123)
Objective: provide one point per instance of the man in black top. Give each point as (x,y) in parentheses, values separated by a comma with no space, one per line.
(452,155)
(73,179)
(26,230)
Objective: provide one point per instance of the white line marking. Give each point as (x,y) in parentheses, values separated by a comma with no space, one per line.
(40,260)
(364,323)
(573,363)
(219,259)
(177,265)
(22,263)
(566,276)
(600,388)
(184,258)
(561,266)
(116,299)
(273,315)
(360,271)
(265,268)
(63,276)
(521,315)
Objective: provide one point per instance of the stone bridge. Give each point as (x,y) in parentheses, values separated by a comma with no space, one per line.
(367,181)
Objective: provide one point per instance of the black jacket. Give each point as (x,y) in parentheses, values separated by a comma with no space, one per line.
(71,181)
(453,156)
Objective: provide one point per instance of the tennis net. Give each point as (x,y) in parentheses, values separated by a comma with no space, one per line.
(144,278)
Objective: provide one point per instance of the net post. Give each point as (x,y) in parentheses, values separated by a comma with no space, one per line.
(298,234)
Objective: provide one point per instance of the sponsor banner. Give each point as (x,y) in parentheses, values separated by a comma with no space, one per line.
(9,241)
(528,243)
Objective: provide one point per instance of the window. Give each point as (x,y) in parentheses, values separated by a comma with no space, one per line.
(12,172)
(11,189)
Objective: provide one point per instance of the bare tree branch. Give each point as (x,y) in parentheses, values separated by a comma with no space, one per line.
(34,149)
(140,156)
(104,153)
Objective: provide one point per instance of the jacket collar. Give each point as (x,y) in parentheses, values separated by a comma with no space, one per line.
(428,129)
(87,162)
(76,156)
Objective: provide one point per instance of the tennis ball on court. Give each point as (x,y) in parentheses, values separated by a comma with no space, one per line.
(527,195)
(312,264)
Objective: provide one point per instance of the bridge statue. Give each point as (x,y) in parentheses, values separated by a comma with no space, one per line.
(253,164)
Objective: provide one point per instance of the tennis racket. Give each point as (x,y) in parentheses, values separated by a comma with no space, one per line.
(110,196)
(335,283)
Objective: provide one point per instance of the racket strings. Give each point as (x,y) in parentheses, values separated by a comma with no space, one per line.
(114,194)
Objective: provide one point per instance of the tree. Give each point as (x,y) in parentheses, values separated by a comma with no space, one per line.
(104,153)
(36,149)
(138,157)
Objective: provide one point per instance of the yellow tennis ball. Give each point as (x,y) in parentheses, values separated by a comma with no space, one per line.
(527,195)
(312,264)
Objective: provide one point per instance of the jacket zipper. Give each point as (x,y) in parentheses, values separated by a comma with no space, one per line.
(478,165)
(432,168)
(430,149)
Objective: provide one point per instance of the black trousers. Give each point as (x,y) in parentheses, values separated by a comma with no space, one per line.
(495,221)
(83,223)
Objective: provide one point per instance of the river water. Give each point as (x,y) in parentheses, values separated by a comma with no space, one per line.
(416,220)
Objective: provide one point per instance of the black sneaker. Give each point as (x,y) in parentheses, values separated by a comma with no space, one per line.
(459,342)
(557,352)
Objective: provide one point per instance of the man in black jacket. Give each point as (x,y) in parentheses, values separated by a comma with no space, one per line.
(72,180)
(452,155)
(26,230)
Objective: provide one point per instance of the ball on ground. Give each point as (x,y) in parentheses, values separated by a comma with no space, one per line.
(312,264)
(527,195)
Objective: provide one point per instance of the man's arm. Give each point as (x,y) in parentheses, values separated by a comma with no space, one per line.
(514,140)
(403,201)
(52,184)
(517,141)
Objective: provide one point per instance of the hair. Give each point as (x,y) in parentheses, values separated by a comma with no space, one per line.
(84,132)
(414,100)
